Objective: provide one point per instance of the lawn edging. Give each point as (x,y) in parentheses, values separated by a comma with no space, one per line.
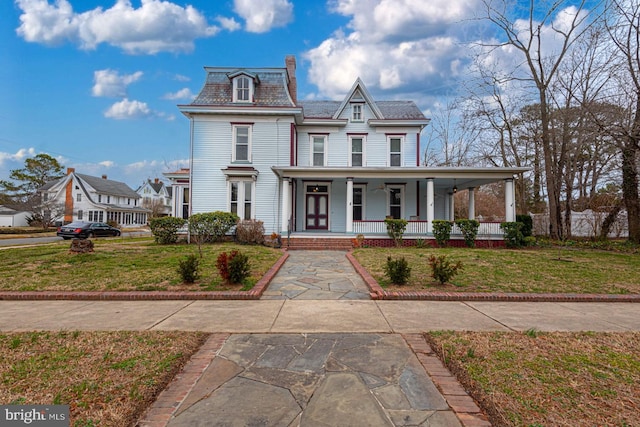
(376,292)
(253,294)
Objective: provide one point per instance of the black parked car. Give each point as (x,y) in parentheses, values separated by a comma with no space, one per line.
(83,230)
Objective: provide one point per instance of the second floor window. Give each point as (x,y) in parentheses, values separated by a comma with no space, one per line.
(395,151)
(241,143)
(357,151)
(78,197)
(318,150)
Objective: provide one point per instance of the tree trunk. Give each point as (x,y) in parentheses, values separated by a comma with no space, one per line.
(630,187)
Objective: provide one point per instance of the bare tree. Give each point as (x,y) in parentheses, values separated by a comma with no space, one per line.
(540,66)
(623,26)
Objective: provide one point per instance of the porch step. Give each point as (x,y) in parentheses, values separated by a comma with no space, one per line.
(318,243)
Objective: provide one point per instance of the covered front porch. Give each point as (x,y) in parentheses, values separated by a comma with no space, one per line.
(354,201)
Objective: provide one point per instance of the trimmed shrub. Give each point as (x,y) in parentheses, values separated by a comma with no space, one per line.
(442,269)
(188,268)
(469,229)
(233,267)
(165,229)
(397,270)
(513,236)
(250,231)
(442,231)
(211,226)
(527,224)
(395,229)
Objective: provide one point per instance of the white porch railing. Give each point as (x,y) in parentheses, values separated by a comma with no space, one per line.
(420,228)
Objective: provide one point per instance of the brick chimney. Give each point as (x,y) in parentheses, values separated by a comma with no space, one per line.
(157,180)
(68,198)
(104,176)
(290,62)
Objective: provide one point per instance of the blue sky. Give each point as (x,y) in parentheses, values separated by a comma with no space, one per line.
(95,83)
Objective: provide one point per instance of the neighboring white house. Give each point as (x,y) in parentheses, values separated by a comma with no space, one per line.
(318,166)
(94,199)
(156,197)
(13,217)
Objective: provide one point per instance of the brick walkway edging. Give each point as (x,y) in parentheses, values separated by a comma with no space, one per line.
(376,292)
(463,405)
(170,399)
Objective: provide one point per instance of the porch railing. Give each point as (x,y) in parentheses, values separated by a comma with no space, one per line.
(419,228)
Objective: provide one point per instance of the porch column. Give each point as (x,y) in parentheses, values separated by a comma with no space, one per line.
(452,211)
(430,205)
(349,205)
(509,201)
(472,203)
(286,203)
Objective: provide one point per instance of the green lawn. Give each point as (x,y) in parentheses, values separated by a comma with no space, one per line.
(536,270)
(547,379)
(121,265)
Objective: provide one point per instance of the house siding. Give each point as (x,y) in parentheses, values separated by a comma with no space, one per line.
(212,152)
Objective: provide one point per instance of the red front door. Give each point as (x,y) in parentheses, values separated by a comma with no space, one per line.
(317,212)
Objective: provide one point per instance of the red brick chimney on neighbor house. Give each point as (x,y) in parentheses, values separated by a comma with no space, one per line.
(290,62)
(104,176)
(68,198)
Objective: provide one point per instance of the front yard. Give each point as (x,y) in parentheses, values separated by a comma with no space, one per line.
(539,270)
(106,378)
(547,379)
(122,265)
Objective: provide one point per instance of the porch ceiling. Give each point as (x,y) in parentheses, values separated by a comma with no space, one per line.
(444,177)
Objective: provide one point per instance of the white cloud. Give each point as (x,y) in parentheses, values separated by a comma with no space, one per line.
(181,78)
(181,94)
(395,46)
(107,163)
(18,156)
(228,24)
(110,83)
(141,30)
(263,15)
(126,109)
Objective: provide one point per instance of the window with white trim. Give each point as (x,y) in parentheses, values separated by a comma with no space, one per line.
(356,148)
(241,198)
(358,202)
(395,150)
(242,89)
(356,113)
(395,201)
(318,150)
(241,143)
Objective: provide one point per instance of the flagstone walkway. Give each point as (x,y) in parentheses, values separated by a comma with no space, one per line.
(317,275)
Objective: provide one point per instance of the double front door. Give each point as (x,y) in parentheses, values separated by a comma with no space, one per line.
(317,215)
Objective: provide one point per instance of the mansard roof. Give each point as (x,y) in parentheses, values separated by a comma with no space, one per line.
(270,88)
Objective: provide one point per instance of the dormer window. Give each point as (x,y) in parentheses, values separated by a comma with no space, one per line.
(243,86)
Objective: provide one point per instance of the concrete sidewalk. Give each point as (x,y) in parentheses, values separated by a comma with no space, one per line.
(317,316)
